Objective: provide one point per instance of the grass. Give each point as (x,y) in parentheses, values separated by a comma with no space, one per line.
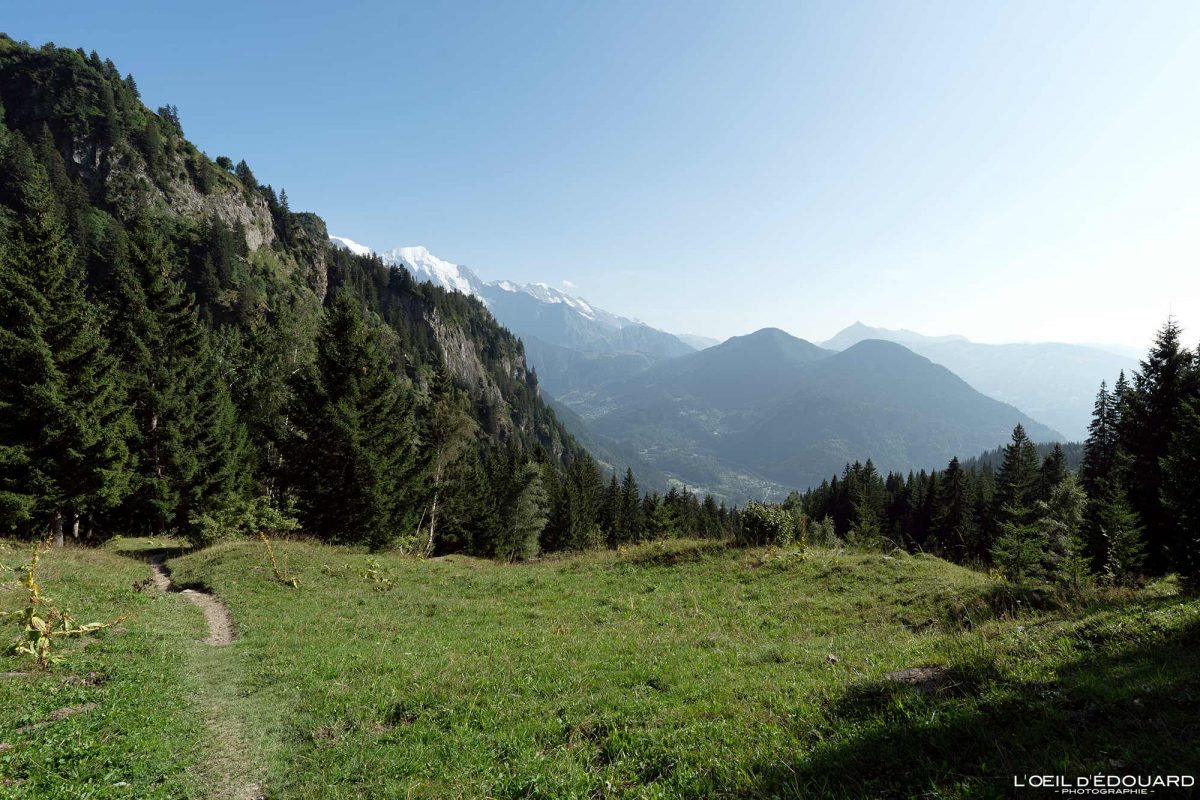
(673,670)
(140,740)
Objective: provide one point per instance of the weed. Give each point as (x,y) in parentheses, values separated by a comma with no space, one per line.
(281,574)
(375,574)
(41,622)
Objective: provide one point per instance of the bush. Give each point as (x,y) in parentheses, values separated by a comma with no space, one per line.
(766,524)
(822,534)
(240,519)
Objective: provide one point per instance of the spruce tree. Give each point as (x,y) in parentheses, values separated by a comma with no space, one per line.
(191,448)
(526,518)
(352,456)
(955,519)
(62,436)
(1151,412)
(610,511)
(1053,471)
(582,490)
(1181,493)
(632,524)
(1016,485)
(1060,517)
(1099,450)
(1121,527)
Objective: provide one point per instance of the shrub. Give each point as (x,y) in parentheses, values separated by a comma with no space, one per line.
(822,534)
(766,524)
(240,519)
(41,622)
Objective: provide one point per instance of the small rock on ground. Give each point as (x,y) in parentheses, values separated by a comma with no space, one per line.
(927,680)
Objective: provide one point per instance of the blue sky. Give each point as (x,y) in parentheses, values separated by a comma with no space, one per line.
(1009,172)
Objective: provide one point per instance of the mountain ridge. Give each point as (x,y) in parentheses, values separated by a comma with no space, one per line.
(1053,382)
(769,411)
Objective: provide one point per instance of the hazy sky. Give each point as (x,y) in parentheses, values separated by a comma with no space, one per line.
(1005,171)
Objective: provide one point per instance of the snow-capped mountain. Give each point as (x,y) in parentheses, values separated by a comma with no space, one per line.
(425,266)
(352,246)
(571,342)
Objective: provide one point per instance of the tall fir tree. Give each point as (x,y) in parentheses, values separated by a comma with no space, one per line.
(1151,412)
(1016,484)
(1099,451)
(1053,471)
(632,525)
(352,460)
(955,515)
(526,516)
(1181,487)
(63,421)
(191,448)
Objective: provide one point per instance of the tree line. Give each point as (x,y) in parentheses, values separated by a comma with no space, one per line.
(1124,503)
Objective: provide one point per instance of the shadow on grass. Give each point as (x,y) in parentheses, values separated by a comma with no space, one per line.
(1130,706)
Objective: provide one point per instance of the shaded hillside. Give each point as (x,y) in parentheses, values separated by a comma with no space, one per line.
(881,401)
(1052,382)
(762,412)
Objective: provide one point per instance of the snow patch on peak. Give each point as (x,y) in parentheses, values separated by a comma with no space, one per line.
(351,245)
(548,294)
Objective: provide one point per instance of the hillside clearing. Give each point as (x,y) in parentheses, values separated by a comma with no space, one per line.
(684,669)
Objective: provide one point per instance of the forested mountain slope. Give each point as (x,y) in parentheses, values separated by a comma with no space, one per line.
(110,214)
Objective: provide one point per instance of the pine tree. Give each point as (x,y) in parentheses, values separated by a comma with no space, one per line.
(527,517)
(63,428)
(352,457)
(1151,412)
(955,520)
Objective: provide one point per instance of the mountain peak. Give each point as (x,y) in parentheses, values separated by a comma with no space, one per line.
(351,245)
(857,332)
(424,265)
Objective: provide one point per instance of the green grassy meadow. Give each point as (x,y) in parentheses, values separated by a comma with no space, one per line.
(680,669)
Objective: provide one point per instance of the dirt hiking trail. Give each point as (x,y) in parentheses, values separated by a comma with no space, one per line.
(220,623)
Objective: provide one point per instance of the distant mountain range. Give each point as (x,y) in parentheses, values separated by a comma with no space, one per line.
(761,413)
(1052,382)
(569,342)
